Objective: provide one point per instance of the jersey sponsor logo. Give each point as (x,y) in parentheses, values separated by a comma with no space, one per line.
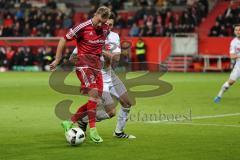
(96,41)
(88,32)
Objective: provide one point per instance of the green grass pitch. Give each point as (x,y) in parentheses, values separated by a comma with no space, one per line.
(29,129)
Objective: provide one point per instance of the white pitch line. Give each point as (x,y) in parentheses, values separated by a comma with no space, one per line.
(217,116)
(204,124)
(202,117)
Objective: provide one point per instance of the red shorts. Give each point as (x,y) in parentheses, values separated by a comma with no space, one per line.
(90,79)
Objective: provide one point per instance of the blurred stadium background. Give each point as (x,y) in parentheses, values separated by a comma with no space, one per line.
(184,35)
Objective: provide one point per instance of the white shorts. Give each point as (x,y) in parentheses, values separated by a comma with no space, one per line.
(115,88)
(235,74)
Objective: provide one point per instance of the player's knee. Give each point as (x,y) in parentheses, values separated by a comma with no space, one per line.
(231,82)
(93,93)
(126,103)
(98,101)
(112,112)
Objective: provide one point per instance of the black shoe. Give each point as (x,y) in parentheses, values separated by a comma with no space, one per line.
(123,135)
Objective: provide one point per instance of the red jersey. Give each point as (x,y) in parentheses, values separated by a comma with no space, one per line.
(90,41)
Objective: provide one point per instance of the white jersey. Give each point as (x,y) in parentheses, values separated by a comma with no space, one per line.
(235,49)
(112,43)
(112,85)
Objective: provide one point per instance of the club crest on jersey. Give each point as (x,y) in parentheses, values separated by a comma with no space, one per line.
(90,33)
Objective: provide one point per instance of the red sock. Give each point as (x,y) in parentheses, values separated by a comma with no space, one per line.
(81,112)
(91,107)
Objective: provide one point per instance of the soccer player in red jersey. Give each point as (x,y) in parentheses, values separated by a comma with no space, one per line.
(90,37)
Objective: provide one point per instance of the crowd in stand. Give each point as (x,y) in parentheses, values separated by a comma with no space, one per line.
(18,18)
(26,56)
(21,19)
(224,23)
(25,20)
(150,22)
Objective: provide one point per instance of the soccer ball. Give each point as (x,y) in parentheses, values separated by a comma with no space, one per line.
(75,136)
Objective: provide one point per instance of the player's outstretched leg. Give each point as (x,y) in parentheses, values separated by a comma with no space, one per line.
(224,88)
(100,115)
(121,123)
(80,113)
(123,117)
(91,112)
(93,134)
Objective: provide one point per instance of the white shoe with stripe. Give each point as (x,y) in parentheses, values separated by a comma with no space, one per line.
(123,135)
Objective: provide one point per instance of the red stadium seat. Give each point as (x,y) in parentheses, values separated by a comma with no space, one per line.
(116,30)
(124,32)
(126,14)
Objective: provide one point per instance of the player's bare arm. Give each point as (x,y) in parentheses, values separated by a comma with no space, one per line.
(60,48)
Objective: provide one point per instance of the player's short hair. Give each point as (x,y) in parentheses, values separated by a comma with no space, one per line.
(236,25)
(104,12)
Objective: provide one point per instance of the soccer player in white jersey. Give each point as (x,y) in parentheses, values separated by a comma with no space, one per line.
(112,86)
(234,54)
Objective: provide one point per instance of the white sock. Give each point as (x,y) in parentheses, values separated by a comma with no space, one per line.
(122,119)
(224,88)
(100,115)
